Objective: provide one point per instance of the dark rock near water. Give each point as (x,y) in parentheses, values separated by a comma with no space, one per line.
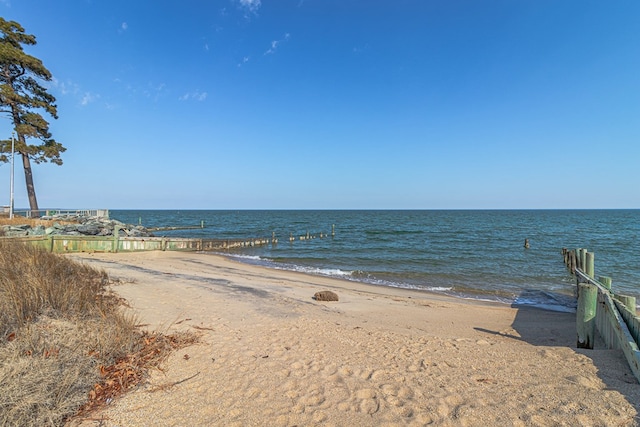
(37,231)
(89,229)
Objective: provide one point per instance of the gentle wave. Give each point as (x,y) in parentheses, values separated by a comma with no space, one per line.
(242,256)
(538,299)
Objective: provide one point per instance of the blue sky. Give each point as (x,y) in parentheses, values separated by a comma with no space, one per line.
(338,104)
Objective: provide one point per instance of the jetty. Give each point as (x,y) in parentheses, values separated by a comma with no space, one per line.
(93,231)
(600,310)
(184,227)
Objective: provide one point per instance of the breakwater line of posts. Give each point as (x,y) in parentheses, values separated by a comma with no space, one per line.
(182,227)
(80,243)
(612,315)
(119,243)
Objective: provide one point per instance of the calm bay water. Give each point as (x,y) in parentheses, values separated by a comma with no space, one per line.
(477,254)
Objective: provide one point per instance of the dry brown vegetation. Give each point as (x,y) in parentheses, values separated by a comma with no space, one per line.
(33,222)
(65,341)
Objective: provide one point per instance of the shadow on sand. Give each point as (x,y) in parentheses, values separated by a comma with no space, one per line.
(547,328)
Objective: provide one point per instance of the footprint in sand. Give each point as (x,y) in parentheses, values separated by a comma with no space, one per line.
(369,406)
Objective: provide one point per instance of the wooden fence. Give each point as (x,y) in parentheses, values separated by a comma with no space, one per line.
(613,316)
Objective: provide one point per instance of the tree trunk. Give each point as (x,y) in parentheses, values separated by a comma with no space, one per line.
(31,190)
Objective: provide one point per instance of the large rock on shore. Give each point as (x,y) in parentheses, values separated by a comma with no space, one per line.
(325,296)
(81,226)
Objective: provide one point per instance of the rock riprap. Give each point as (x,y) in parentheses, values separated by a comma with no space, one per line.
(76,226)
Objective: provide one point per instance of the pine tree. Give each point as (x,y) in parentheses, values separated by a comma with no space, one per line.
(21,96)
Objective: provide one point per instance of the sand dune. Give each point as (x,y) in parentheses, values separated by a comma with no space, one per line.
(272,356)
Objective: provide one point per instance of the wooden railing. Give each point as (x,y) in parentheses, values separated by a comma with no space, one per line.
(51,212)
(613,316)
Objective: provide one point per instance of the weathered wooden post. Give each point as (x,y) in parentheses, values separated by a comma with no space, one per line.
(573,261)
(333,230)
(526,243)
(582,261)
(115,238)
(628,301)
(586,315)
(202,223)
(606,282)
(590,264)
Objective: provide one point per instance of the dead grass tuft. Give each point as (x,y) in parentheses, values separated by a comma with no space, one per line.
(66,342)
(130,370)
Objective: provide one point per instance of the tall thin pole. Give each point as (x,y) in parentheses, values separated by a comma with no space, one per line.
(12,158)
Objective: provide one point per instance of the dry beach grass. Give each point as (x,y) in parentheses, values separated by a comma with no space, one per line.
(32,222)
(65,342)
(271,355)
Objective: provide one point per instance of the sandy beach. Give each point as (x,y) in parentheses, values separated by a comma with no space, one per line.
(270,355)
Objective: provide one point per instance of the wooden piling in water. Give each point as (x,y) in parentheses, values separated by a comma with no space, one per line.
(590,264)
(573,261)
(606,282)
(569,256)
(586,315)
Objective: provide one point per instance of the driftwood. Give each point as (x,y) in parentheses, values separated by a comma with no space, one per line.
(325,296)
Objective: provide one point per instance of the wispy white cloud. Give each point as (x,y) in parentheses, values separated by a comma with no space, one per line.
(88,98)
(64,88)
(250,5)
(69,88)
(244,61)
(194,96)
(276,43)
(154,91)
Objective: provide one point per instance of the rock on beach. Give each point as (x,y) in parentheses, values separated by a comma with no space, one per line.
(80,226)
(325,296)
